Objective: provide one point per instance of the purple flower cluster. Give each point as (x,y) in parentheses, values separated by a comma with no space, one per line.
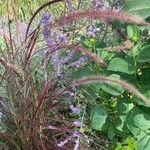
(91,32)
(77,123)
(76,138)
(79,62)
(46,30)
(62,143)
(67,58)
(53,40)
(74,109)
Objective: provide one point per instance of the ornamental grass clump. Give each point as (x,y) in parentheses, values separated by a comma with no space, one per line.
(44,106)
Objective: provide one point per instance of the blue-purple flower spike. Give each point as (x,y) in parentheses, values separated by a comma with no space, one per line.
(79,62)
(46,18)
(67,58)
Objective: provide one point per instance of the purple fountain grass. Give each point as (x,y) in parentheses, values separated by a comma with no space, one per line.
(121,48)
(104,79)
(104,15)
(91,55)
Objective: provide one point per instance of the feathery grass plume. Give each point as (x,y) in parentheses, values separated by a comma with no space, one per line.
(108,80)
(121,48)
(91,55)
(104,15)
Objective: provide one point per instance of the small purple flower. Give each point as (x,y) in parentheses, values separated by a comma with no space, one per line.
(79,62)
(77,123)
(65,59)
(45,19)
(62,39)
(76,146)
(91,32)
(76,134)
(62,143)
(72,93)
(54,58)
(50,42)
(74,109)
(46,29)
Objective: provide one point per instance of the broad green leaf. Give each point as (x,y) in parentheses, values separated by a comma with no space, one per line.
(138,7)
(144,55)
(141,119)
(144,143)
(123,107)
(130,124)
(121,65)
(113,89)
(119,122)
(104,54)
(84,71)
(111,132)
(130,31)
(138,120)
(98,117)
(134,51)
(133,32)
